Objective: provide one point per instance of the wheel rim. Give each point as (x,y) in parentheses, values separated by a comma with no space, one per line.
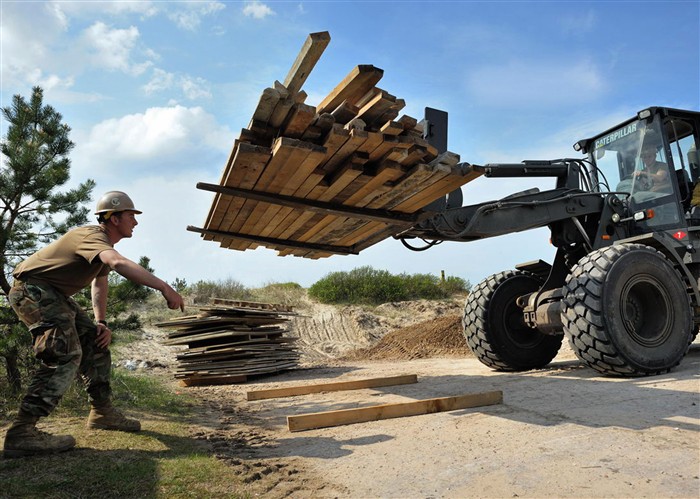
(645,309)
(514,326)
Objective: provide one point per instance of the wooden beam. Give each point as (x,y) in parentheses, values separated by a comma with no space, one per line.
(388,411)
(291,391)
(323,207)
(340,250)
(213,380)
(356,84)
(309,55)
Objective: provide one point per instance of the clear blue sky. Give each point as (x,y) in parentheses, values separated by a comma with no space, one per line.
(156,93)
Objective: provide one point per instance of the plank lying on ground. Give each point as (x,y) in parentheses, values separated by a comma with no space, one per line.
(212,380)
(291,391)
(388,411)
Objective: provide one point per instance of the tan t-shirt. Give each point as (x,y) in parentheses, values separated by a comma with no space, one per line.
(71,262)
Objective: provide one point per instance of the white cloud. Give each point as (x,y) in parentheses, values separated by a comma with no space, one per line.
(190,16)
(112,48)
(160,131)
(186,15)
(22,55)
(523,84)
(257,10)
(161,80)
(192,87)
(60,16)
(161,139)
(143,8)
(195,88)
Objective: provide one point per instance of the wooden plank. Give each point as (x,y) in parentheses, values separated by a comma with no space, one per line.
(300,97)
(300,150)
(299,169)
(350,170)
(438,189)
(213,380)
(310,228)
(354,140)
(371,143)
(245,169)
(263,132)
(388,142)
(355,85)
(281,151)
(373,232)
(255,305)
(387,172)
(282,110)
(388,411)
(392,128)
(391,113)
(321,125)
(268,100)
(300,119)
(356,124)
(339,180)
(373,188)
(352,230)
(291,391)
(379,104)
(285,215)
(413,181)
(310,53)
(344,112)
(290,215)
(407,122)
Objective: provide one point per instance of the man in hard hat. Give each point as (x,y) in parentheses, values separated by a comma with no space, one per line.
(65,338)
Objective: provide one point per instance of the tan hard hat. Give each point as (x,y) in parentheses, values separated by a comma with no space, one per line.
(113,201)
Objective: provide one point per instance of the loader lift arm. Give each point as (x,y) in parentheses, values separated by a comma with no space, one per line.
(567,205)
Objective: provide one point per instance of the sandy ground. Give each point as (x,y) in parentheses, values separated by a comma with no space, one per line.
(560,432)
(563,431)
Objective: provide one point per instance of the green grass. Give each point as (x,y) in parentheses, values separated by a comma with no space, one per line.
(162,460)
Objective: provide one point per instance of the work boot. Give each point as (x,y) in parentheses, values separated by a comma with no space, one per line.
(106,417)
(24,439)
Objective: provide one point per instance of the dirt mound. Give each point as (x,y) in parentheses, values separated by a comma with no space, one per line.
(328,332)
(437,337)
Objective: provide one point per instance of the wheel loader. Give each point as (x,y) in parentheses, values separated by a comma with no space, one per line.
(623,284)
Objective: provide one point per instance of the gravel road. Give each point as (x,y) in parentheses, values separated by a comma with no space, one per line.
(563,431)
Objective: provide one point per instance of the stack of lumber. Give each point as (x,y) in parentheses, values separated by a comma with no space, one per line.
(352,151)
(231,340)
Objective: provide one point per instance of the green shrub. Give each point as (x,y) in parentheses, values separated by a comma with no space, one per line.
(454,285)
(365,285)
(285,293)
(203,292)
(179,285)
(360,285)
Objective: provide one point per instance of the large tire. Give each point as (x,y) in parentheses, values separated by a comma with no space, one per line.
(626,311)
(495,329)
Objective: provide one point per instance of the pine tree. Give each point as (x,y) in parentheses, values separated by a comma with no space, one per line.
(33,209)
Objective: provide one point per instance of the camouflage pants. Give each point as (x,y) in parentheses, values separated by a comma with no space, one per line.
(64,341)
